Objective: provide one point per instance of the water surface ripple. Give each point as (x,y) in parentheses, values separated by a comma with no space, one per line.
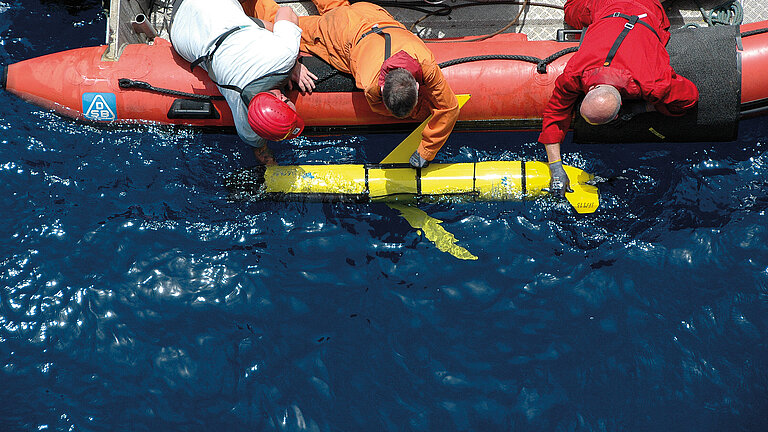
(135,296)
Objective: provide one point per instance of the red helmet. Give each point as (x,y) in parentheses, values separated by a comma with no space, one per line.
(272,118)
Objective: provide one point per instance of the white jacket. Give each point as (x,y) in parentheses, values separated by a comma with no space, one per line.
(243,56)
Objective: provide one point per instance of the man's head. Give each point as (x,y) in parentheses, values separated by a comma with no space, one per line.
(273,116)
(601,104)
(400,92)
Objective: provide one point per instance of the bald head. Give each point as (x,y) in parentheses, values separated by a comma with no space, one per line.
(601,104)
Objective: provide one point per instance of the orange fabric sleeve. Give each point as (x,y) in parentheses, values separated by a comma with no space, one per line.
(264,10)
(436,98)
(373,96)
(324,6)
(445,111)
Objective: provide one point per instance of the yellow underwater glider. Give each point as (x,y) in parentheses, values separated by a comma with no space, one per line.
(395,182)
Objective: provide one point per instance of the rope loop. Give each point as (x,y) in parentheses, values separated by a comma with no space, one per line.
(541,64)
(729,13)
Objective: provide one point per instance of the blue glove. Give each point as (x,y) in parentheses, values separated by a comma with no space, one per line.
(417,161)
(558,183)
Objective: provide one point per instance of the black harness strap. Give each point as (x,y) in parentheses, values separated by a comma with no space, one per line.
(387,38)
(418,182)
(631,21)
(245,96)
(209,57)
(274,80)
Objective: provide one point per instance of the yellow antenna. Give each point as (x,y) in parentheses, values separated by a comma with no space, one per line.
(405,149)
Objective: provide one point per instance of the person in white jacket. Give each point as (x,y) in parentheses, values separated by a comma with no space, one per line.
(250,62)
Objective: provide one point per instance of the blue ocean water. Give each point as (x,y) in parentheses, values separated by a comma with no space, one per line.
(134,296)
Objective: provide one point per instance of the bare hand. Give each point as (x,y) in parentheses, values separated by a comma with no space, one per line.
(264,155)
(303,77)
(287,14)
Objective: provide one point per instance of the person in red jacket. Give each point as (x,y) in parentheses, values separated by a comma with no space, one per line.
(395,69)
(622,57)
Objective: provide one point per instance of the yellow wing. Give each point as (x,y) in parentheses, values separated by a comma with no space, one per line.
(418,219)
(405,149)
(445,241)
(585,197)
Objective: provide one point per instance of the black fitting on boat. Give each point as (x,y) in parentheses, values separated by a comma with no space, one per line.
(3,76)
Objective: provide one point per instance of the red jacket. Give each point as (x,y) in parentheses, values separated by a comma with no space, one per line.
(639,70)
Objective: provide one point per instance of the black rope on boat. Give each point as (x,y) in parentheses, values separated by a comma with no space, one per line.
(754,32)
(729,13)
(445,9)
(529,59)
(541,64)
(753,108)
(127,83)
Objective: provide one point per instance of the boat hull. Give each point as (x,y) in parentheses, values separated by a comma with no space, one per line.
(507,95)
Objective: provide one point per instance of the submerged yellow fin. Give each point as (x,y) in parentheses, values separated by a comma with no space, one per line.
(435,232)
(585,197)
(405,149)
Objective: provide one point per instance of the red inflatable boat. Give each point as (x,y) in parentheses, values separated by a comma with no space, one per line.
(509,78)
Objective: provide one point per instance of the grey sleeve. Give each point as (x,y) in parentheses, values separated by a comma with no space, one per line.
(257,142)
(240,116)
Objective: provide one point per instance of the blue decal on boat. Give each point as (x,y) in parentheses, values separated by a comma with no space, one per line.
(100,106)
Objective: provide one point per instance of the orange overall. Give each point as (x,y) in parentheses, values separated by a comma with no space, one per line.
(334,36)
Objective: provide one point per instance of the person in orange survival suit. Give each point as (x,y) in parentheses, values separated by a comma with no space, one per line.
(358,39)
(622,56)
